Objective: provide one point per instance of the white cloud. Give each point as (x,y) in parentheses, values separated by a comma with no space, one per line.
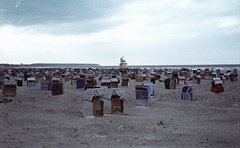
(228,22)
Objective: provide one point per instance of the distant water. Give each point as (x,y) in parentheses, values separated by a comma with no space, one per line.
(210,66)
(205,66)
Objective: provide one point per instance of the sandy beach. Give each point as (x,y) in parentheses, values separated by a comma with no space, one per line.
(36,118)
(61,59)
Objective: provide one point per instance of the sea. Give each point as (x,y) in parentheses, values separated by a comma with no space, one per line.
(97,66)
(204,66)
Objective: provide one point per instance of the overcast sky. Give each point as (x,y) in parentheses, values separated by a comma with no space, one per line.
(145,32)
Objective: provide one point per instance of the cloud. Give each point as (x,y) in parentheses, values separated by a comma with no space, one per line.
(29,12)
(145,32)
(60,17)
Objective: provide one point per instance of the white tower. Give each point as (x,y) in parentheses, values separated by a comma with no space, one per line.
(123,64)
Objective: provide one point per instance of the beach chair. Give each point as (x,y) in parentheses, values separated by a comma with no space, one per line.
(139,78)
(9,88)
(168,74)
(113,101)
(181,80)
(233,77)
(143,95)
(1,82)
(217,85)
(114,82)
(106,81)
(125,81)
(170,83)
(186,93)
(26,76)
(207,74)
(92,103)
(175,74)
(214,74)
(31,82)
(45,85)
(65,77)
(91,82)
(83,75)
(197,79)
(74,80)
(157,77)
(19,81)
(57,88)
(80,83)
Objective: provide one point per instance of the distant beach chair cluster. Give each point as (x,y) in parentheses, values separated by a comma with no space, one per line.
(104,88)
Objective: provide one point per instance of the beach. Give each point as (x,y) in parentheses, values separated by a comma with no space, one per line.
(36,118)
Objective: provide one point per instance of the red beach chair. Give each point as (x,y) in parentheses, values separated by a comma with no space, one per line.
(217,85)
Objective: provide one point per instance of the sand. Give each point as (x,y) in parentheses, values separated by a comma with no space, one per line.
(35,118)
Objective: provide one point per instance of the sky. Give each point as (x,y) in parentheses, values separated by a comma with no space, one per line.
(144,32)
